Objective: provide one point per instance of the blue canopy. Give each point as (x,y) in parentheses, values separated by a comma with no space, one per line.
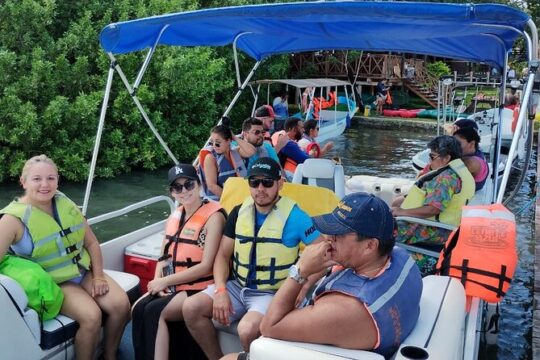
(479,33)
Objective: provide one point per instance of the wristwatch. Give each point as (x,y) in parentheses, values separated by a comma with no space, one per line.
(294,273)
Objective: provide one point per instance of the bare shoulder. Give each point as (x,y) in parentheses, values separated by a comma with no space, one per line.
(11,228)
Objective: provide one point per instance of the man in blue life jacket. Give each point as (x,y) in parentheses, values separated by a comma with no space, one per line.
(370,303)
(261,237)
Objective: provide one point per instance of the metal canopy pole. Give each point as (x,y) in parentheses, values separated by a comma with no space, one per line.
(235,52)
(141,109)
(519,128)
(98,138)
(498,138)
(242,87)
(147,59)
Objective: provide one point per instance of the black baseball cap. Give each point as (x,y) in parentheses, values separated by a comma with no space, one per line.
(182,171)
(266,167)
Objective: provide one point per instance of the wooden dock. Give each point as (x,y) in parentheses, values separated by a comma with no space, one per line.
(536,300)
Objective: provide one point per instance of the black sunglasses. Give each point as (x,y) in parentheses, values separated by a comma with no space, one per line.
(213,143)
(256,132)
(433,156)
(177,188)
(267,183)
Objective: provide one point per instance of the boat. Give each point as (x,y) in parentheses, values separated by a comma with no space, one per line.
(332,119)
(450,322)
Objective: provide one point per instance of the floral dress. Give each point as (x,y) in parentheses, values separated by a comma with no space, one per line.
(439,192)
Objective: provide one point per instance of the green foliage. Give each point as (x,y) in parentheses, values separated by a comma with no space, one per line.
(54,73)
(438,68)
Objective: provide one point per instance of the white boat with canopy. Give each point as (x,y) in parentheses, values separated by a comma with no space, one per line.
(449,326)
(332,118)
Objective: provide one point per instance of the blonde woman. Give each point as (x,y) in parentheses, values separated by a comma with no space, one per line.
(42,225)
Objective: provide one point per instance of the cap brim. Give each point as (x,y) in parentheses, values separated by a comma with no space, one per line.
(329,225)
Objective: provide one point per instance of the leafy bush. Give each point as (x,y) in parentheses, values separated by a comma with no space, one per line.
(438,69)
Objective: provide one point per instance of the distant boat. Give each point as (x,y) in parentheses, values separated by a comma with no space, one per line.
(333,119)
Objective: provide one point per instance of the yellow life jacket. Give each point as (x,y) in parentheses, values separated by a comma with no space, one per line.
(273,259)
(452,214)
(58,246)
(183,247)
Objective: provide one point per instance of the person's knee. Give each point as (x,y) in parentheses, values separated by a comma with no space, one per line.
(248,329)
(195,307)
(90,319)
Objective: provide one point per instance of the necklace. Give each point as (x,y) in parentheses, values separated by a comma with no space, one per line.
(375,270)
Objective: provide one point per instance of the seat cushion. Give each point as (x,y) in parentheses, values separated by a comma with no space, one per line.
(63,328)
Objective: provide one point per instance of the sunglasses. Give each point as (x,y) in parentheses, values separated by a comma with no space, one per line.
(433,157)
(177,188)
(214,143)
(256,132)
(267,183)
(317,128)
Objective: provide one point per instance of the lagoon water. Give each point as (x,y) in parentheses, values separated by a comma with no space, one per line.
(382,153)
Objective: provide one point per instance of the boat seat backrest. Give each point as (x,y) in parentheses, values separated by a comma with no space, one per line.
(20,301)
(323,173)
(62,328)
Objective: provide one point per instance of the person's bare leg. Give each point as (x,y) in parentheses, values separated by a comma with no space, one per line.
(171,312)
(80,306)
(248,328)
(197,312)
(116,305)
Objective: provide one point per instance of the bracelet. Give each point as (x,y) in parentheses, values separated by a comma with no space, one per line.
(220,290)
(99,279)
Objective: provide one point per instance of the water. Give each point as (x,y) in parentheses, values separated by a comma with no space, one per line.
(382,153)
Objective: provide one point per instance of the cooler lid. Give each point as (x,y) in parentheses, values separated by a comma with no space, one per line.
(149,247)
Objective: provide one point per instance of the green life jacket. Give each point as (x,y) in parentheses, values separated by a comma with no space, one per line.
(44,295)
(58,247)
(452,213)
(273,259)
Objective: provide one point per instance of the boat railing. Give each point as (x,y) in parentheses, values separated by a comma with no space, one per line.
(130,208)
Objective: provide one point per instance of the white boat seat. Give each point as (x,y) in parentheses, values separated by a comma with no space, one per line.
(385,188)
(437,333)
(323,173)
(62,328)
(20,300)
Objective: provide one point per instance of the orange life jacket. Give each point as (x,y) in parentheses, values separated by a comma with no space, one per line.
(290,165)
(183,246)
(482,251)
(388,98)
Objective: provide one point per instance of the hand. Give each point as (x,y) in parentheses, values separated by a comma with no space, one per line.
(315,258)
(397,211)
(100,286)
(157,285)
(222,308)
(328,146)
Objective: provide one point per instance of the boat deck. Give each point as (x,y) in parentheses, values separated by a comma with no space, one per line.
(536,301)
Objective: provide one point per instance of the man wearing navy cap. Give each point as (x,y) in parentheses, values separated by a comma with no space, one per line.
(371,303)
(262,236)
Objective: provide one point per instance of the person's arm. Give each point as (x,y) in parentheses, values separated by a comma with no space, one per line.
(222,302)
(91,244)
(326,148)
(423,212)
(11,230)
(211,174)
(282,141)
(245,149)
(334,319)
(214,232)
(473,165)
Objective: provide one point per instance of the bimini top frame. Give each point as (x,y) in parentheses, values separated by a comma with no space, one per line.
(483,33)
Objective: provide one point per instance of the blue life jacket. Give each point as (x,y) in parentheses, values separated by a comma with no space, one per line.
(392,298)
(225,168)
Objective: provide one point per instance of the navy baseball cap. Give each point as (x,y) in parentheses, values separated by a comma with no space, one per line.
(360,212)
(182,171)
(266,167)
